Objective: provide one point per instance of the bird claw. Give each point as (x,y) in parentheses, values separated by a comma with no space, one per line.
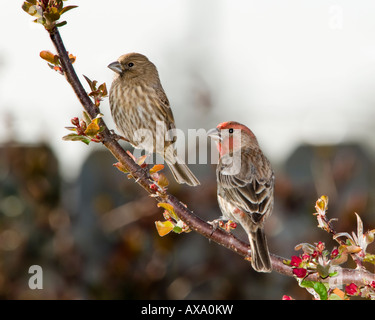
(226,225)
(215,225)
(248,256)
(116,136)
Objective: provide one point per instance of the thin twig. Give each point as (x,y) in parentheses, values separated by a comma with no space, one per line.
(219,236)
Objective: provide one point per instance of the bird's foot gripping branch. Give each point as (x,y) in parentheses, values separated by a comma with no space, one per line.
(317,269)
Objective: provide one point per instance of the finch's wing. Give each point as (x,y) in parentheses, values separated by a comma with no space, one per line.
(251,189)
(164,107)
(165,110)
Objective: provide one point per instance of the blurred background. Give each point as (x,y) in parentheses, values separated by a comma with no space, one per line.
(300,74)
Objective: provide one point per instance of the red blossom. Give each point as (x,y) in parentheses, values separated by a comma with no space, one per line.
(154,187)
(351,289)
(75,121)
(222,224)
(372,284)
(300,272)
(334,253)
(285,297)
(295,262)
(233,225)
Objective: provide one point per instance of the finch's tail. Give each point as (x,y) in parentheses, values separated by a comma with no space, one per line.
(180,170)
(182,174)
(260,258)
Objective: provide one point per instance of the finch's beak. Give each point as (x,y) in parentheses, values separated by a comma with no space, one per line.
(115,66)
(214,134)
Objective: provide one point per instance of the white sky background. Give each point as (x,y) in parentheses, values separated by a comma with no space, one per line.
(293,71)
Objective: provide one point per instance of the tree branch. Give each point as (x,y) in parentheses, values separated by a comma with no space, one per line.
(359,277)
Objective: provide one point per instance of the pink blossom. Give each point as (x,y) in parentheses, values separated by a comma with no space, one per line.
(334,253)
(305,257)
(320,247)
(300,272)
(295,262)
(351,289)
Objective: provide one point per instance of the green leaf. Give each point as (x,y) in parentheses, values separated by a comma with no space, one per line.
(162,181)
(56,60)
(322,203)
(307,284)
(177,229)
(60,24)
(52,16)
(103,89)
(321,290)
(286,262)
(166,206)
(76,137)
(318,287)
(333,274)
(323,271)
(71,128)
(141,160)
(33,10)
(92,84)
(54,10)
(59,4)
(97,118)
(86,117)
(369,258)
(164,227)
(67,8)
(92,129)
(40,20)
(120,167)
(70,136)
(169,208)
(26,7)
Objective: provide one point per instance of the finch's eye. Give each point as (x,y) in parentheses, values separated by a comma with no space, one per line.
(130,64)
(231,130)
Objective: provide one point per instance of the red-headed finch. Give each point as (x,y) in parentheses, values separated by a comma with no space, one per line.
(141,112)
(245,184)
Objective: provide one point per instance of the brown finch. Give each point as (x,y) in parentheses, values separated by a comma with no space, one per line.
(141,112)
(245,184)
